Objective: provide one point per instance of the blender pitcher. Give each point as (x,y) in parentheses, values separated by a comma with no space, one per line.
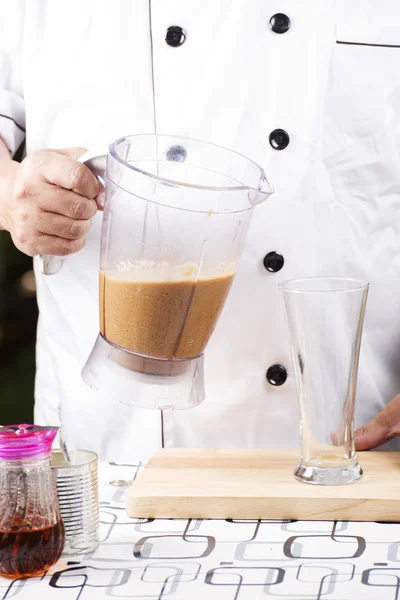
(175,218)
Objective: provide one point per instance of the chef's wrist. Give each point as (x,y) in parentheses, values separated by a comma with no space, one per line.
(8,173)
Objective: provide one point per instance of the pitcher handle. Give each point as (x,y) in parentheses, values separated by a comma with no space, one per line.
(96,162)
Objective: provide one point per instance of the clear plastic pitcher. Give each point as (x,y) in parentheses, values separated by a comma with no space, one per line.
(175,218)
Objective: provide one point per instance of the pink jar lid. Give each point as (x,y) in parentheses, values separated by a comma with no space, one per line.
(18,442)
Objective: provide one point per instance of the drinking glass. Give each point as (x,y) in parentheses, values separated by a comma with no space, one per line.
(325,319)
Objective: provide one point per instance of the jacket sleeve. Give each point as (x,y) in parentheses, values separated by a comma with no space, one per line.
(12,112)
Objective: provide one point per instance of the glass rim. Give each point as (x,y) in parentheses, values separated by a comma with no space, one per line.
(358,285)
(241,187)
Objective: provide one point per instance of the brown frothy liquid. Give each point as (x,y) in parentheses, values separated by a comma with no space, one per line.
(164,319)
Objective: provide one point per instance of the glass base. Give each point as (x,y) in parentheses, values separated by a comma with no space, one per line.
(144,381)
(307,473)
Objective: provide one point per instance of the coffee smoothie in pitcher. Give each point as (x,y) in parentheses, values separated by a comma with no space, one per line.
(168,314)
(174,229)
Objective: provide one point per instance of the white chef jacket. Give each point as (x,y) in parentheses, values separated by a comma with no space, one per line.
(85,73)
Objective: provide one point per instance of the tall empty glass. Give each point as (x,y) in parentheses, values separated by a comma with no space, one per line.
(325,319)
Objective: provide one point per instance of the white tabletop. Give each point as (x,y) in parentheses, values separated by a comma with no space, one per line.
(221,560)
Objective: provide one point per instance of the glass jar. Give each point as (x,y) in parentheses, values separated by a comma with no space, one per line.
(31,530)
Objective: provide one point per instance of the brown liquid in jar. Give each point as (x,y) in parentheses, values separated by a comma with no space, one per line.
(30,552)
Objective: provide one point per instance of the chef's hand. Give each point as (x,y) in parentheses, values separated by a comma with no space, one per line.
(50,202)
(381,429)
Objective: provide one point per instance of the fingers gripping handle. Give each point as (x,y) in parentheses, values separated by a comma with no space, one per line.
(96,162)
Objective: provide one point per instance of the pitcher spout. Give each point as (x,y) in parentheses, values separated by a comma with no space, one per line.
(264,191)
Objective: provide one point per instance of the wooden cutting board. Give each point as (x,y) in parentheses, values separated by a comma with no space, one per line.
(259,484)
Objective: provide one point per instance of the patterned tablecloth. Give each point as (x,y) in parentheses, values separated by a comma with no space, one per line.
(221,560)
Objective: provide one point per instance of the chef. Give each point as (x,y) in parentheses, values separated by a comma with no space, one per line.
(309,90)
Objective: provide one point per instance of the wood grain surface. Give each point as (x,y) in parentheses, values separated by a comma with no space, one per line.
(259,484)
